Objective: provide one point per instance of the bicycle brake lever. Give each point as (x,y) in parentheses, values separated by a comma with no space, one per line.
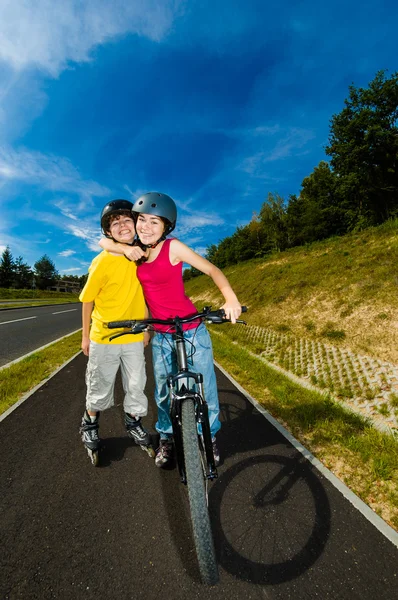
(118,335)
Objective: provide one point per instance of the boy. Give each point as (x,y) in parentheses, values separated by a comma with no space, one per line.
(113,292)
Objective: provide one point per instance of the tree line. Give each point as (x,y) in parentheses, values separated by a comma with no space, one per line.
(15,273)
(357,188)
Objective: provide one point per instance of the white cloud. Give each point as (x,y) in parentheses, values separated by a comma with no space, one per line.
(274,147)
(72,270)
(66,253)
(48,171)
(49,34)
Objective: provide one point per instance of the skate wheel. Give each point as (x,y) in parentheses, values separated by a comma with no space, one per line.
(94,457)
(149,450)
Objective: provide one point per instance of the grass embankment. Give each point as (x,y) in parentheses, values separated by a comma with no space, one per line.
(25,298)
(343,291)
(21,377)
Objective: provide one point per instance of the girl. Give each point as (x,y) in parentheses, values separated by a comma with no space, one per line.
(159,270)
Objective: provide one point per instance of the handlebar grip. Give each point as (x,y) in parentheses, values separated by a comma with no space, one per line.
(120,324)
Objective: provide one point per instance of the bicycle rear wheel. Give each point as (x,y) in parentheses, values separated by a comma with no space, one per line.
(197,496)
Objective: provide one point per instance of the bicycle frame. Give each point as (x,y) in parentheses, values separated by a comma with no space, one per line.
(180,390)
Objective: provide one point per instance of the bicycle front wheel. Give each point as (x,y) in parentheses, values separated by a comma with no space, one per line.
(195,475)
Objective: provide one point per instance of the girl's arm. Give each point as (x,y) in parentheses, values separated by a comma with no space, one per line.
(179,252)
(131,252)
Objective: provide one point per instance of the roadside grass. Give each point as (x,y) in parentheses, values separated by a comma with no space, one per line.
(365,459)
(40,302)
(27,298)
(23,376)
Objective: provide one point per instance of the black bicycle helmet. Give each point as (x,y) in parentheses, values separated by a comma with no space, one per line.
(113,207)
(160,205)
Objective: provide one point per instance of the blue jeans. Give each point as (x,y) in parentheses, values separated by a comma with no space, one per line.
(164,363)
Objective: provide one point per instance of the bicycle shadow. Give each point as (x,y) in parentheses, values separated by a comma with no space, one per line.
(271,518)
(240,418)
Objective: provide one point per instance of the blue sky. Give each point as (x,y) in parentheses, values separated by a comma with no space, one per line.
(215,102)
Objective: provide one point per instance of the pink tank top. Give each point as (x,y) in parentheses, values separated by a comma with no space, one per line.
(164,289)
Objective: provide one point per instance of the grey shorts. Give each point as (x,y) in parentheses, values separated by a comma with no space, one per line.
(103,363)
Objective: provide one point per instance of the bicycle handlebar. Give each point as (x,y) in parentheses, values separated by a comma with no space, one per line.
(141,325)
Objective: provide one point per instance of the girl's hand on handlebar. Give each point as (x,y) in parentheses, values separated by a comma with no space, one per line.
(232,310)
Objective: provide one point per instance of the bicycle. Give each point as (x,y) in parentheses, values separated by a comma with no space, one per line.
(188,409)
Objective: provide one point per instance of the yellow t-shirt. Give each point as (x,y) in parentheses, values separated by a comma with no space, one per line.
(117,294)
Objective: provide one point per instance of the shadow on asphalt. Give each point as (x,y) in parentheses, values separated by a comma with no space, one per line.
(259,534)
(113,449)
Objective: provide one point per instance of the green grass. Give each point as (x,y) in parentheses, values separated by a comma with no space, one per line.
(12,294)
(344,289)
(20,378)
(33,298)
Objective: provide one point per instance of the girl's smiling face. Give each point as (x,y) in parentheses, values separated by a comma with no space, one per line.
(150,228)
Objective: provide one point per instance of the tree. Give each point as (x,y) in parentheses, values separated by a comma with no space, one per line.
(321,212)
(6,269)
(273,223)
(45,272)
(363,145)
(23,277)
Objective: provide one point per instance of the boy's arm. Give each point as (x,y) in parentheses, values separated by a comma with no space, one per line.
(131,252)
(179,252)
(87,309)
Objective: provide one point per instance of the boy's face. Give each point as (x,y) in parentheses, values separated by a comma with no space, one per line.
(122,228)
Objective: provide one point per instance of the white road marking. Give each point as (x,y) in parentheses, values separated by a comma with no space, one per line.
(16,320)
(64,311)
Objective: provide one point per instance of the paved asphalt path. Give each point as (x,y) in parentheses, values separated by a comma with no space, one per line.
(22,330)
(122,531)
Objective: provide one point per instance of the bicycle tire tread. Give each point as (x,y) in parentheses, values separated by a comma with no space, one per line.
(201,527)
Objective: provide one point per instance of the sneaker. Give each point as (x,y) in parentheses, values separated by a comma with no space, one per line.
(164,453)
(216,452)
(136,430)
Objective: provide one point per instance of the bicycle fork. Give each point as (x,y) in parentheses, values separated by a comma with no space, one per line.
(178,394)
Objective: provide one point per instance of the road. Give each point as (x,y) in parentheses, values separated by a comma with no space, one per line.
(70,531)
(25,329)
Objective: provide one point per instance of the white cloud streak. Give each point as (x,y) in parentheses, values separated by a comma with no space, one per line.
(47,171)
(50,34)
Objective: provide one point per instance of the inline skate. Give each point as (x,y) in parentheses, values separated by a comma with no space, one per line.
(89,433)
(137,432)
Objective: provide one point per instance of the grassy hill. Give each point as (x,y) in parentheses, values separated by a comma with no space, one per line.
(343,289)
